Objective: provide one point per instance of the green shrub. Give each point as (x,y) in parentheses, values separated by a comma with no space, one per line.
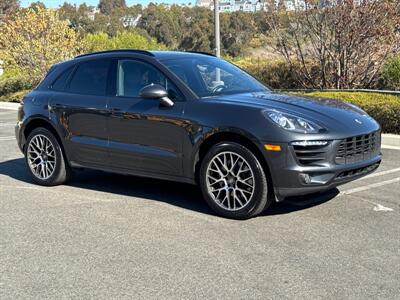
(14,97)
(123,40)
(391,73)
(384,108)
(9,85)
(276,74)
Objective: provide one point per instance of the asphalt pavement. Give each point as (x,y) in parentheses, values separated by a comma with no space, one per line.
(107,236)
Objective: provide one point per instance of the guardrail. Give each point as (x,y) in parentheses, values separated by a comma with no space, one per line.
(341,90)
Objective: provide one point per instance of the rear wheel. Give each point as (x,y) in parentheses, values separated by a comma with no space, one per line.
(233,181)
(45,159)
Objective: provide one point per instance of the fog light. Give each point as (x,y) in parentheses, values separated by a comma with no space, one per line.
(305,178)
(316,178)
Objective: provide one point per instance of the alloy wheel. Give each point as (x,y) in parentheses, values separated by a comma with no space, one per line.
(230,180)
(41,156)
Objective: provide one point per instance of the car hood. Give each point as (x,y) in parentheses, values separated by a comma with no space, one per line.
(329,113)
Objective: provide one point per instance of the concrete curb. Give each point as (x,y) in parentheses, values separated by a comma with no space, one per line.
(389,141)
(9,105)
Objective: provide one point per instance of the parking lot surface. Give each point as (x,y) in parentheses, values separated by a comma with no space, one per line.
(111,236)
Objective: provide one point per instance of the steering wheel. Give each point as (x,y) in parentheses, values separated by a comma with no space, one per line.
(218,88)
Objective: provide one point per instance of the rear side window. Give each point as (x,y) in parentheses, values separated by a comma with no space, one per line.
(61,81)
(90,78)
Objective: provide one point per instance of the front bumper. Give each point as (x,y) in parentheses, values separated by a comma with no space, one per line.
(19,136)
(292,178)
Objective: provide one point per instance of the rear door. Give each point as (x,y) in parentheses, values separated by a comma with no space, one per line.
(144,135)
(80,109)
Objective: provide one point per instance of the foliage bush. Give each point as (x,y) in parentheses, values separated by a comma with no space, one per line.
(9,85)
(123,40)
(391,73)
(14,84)
(384,108)
(275,74)
(14,97)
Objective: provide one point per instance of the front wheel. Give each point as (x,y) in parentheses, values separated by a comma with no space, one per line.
(45,159)
(233,181)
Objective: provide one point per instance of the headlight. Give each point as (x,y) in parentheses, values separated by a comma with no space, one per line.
(291,122)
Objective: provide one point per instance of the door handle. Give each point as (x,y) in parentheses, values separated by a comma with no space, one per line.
(52,107)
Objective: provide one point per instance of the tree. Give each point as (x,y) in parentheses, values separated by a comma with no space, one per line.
(163,23)
(78,17)
(391,72)
(34,39)
(343,46)
(281,5)
(198,34)
(237,30)
(123,40)
(107,7)
(8,7)
(36,5)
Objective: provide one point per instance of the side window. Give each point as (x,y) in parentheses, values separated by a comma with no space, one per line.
(61,81)
(134,75)
(90,78)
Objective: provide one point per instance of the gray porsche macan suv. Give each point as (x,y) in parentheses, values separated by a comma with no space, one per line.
(194,118)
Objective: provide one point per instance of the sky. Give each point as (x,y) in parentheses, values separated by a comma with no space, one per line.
(57,3)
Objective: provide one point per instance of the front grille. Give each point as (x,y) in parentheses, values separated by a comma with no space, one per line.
(311,154)
(358,148)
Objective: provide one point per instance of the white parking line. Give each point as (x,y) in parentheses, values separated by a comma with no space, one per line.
(6,124)
(9,106)
(377,206)
(7,138)
(390,147)
(370,186)
(381,173)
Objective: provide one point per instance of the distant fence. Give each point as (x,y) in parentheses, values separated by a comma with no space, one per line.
(341,90)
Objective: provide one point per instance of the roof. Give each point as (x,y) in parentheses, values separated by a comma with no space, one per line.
(156,54)
(177,54)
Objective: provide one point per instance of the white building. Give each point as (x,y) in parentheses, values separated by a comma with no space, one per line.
(92,13)
(250,5)
(295,4)
(130,20)
(204,3)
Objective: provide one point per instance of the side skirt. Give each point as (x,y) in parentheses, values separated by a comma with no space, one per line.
(138,173)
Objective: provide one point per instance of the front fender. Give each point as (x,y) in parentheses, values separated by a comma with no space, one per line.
(209,134)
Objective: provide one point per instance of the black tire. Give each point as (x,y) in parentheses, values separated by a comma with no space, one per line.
(61,171)
(258,201)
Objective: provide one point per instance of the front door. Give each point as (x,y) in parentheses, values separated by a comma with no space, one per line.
(143,135)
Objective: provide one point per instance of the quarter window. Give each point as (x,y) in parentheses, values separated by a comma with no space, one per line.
(90,78)
(61,81)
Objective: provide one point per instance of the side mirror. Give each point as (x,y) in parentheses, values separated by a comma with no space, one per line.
(156,91)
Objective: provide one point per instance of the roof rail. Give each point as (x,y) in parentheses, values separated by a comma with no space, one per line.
(144,52)
(201,52)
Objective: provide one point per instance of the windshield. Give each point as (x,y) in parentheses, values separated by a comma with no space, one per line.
(209,76)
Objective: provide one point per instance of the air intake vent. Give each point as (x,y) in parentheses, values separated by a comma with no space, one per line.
(309,154)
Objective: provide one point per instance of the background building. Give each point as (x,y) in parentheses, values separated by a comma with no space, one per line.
(251,5)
